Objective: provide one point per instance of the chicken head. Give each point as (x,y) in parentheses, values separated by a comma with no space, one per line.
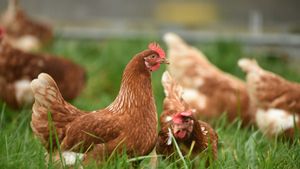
(182,125)
(154,60)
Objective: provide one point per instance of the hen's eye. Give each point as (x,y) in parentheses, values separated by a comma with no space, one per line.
(186,119)
(152,56)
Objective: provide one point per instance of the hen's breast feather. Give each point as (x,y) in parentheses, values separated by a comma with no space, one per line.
(275,121)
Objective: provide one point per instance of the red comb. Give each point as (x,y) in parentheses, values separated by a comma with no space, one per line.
(155,47)
(178,117)
(186,114)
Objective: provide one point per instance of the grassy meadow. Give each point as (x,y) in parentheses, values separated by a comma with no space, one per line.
(104,61)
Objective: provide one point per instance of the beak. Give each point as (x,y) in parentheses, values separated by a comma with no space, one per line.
(164,61)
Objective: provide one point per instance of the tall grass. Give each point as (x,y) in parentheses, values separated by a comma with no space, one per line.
(105,60)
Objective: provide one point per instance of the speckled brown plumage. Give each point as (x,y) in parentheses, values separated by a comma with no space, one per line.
(202,134)
(271,90)
(17,25)
(270,93)
(16,65)
(205,87)
(129,121)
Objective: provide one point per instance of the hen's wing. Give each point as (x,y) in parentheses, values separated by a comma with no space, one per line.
(93,129)
(220,94)
(163,145)
(211,137)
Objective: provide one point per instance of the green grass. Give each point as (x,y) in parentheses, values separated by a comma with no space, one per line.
(104,61)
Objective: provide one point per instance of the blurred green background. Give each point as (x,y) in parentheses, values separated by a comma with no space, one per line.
(104,35)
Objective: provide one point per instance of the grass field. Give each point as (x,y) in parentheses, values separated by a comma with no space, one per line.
(105,60)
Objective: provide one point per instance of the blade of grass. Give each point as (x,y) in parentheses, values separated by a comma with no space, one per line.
(52,128)
(191,149)
(50,160)
(2,116)
(114,151)
(142,158)
(92,135)
(296,129)
(6,147)
(178,150)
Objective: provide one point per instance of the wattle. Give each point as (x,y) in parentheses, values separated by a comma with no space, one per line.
(155,67)
(181,134)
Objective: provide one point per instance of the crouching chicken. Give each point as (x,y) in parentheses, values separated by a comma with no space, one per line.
(129,122)
(177,120)
(277,99)
(18,68)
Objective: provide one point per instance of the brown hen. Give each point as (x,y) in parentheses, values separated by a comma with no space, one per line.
(177,120)
(130,121)
(277,99)
(18,68)
(205,87)
(23,32)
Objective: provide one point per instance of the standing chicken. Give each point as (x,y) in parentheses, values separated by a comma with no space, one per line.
(205,87)
(18,68)
(23,32)
(277,99)
(129,121)
(177,119)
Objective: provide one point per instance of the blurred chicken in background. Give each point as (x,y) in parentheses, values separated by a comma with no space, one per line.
(23,32)
(18,68)
(206,88)
(277,99)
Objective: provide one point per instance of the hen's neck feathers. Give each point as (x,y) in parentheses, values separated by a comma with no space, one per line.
(136,90)
(3,44)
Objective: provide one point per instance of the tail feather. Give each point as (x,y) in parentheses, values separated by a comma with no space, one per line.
(13,5)
(249,65)
(174,41)
(48,99)
(170,86)
(178,49)
(173,100)
(46,91)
